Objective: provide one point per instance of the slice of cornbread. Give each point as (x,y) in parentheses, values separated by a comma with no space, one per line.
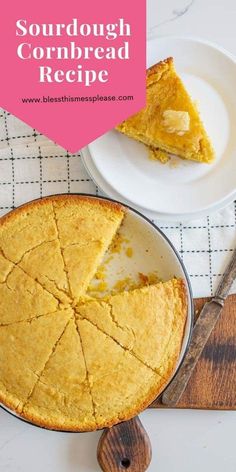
(86,227)
(25,348)
(81,263)
(26,228)
(170,121)
(22,298)
(149,322)
(45,264)
(82,220)
(62,398)
(121,385)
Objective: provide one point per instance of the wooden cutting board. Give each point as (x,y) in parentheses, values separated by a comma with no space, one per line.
(213,383)
(212,386)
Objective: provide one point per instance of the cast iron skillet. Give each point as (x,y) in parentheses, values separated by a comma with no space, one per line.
(126,446)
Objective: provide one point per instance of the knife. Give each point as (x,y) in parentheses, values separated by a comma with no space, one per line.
(201,332)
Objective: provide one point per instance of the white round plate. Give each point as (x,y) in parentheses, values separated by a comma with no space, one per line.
(104,187)
(108,190)
(152,252)
(180,187)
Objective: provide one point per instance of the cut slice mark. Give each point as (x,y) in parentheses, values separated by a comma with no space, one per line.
(123,347)
(10,271)
(57,288)
(100,301)
(32,249)
(63,387)
(87,372)
(41,285)
(37,278)
(61,250)
(26,252)
(84,244)
(17,232)
(11,266)
(28,320)
(44,288)
(28,275)
(61,392)
(44,367)
(56,285)
(125,329)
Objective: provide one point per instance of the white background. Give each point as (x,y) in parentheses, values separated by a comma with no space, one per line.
(183,441)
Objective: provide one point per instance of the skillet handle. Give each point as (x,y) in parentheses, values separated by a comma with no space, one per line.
(125,447)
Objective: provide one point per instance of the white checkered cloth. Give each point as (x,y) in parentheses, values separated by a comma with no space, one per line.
(31,166)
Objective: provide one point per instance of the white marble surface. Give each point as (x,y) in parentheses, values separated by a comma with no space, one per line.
(183,441)
(209,19)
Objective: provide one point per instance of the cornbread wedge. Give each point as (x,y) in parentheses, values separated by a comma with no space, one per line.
(26,228)
(25,349)
(81,263)
(45,264)
(86,227)
(170,122)
(62,398)
(22,298)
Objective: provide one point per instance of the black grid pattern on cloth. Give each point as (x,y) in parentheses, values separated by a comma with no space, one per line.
(31,166)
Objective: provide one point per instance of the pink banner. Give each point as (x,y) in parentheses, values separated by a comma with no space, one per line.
(74,69)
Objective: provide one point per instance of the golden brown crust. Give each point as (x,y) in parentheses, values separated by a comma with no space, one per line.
(139,407)
(64,199)
(54,426)
(21,210)
(183,295)
(5,399)
(155,72)
(12,405)
(179,324)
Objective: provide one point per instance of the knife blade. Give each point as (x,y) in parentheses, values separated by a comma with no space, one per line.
(201,332)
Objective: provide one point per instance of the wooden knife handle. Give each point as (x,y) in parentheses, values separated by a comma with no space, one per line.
(125,447)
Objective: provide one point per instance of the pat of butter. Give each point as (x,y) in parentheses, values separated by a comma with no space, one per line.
(176,121)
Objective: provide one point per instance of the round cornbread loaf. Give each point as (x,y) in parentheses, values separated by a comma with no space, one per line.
(68,362)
